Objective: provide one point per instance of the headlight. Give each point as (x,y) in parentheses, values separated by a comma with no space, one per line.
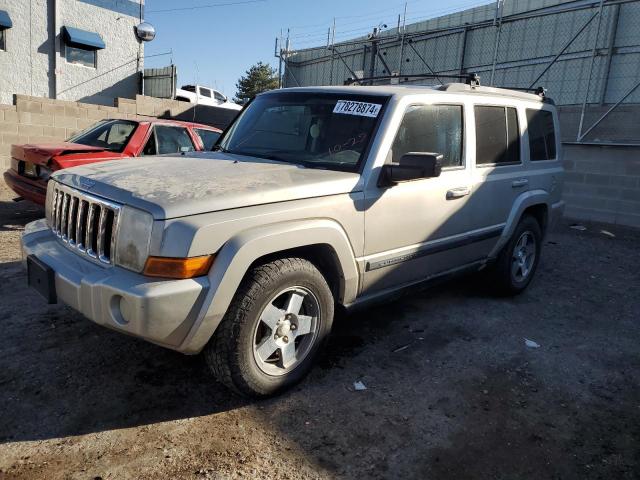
(133,238)
(44,173)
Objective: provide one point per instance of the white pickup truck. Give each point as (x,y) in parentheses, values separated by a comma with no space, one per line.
(205,96)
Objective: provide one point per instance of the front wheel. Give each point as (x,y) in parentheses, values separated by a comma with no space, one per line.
(518,261)
(273,330)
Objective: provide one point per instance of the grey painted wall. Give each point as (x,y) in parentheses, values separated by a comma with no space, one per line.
(34,62)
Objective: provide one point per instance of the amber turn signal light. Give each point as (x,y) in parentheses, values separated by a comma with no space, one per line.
(170,267)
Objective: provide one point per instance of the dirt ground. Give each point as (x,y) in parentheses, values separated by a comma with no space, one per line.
(452,389)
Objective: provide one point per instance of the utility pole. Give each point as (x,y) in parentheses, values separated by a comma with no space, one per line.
(373,36)
(278,55)
(374,52)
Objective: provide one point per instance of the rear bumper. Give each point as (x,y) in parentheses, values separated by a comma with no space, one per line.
(33,190)
(159,311)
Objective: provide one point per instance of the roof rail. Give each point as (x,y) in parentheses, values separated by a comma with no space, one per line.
(540,91)
(472,79)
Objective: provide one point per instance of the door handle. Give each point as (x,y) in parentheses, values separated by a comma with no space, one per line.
(521,182)
(458,193)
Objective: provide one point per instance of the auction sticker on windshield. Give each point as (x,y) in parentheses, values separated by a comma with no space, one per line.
(362,109)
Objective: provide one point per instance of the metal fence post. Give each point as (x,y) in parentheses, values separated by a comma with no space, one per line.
(498,19)
(404,28)
(612,42)
(593,56)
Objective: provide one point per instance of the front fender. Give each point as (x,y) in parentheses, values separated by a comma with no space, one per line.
(524,201)
(237,255)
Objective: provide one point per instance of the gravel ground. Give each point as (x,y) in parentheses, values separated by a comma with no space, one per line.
(452,390)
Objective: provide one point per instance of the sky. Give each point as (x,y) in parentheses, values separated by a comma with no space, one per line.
(215,45)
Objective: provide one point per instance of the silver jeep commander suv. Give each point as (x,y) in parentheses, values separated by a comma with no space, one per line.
(313,198)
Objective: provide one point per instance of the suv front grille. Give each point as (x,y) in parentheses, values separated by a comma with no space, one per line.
(85,223)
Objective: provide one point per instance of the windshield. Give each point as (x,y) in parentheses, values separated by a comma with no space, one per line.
(111,135)
(315,129)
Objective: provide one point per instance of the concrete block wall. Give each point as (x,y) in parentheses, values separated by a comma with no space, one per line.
(602,184)
(41,120)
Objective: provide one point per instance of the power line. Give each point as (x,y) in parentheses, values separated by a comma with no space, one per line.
(311,38)
(210,5)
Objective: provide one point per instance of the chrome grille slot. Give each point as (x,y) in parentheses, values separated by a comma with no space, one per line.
(85,223)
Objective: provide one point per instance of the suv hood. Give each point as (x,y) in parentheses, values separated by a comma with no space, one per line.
(177,186)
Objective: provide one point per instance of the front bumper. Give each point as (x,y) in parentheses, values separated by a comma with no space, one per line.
(33,190)
(160,311)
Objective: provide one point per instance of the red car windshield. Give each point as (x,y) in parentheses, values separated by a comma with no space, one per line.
(112,135)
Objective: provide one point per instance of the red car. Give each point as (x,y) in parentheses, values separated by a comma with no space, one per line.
(32,164)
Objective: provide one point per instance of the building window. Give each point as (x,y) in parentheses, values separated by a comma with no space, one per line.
(5,24)
(81,46)
(81,56)
(497,136)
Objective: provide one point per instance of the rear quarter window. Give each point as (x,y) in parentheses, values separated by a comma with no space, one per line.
(542,135)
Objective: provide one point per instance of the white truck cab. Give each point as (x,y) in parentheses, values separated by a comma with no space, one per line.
(205,96)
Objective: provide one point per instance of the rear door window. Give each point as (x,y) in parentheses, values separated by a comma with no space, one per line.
(173,140)
(542,135)
(167,139)
(208,137)
(497,135)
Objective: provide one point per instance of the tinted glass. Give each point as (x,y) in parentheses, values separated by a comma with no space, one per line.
(81,56)
(497,135)
(3,45)
(172,140)
(111,135)
(513,137)
(208,137)
(219,97)
(205,92)
(313,129)
(433,129)
(150,147)
(542,136)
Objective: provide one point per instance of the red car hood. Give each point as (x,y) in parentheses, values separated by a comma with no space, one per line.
(42,153)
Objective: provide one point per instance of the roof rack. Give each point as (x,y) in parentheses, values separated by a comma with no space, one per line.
(472,79)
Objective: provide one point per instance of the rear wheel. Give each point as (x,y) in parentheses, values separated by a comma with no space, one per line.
(518,261)
(273,330)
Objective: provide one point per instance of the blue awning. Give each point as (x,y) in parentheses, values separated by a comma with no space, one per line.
(83,39)
(5,20)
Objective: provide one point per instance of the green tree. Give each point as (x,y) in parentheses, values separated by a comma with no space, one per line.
(259,78)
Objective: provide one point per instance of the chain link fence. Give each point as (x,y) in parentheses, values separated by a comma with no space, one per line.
(586,54)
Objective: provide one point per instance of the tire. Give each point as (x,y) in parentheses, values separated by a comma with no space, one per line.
(505,276)
(267,313)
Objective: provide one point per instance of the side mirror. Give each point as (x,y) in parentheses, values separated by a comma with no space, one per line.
(412,166)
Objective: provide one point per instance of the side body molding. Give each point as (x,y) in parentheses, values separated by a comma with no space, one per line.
(237,255)
(524,201)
